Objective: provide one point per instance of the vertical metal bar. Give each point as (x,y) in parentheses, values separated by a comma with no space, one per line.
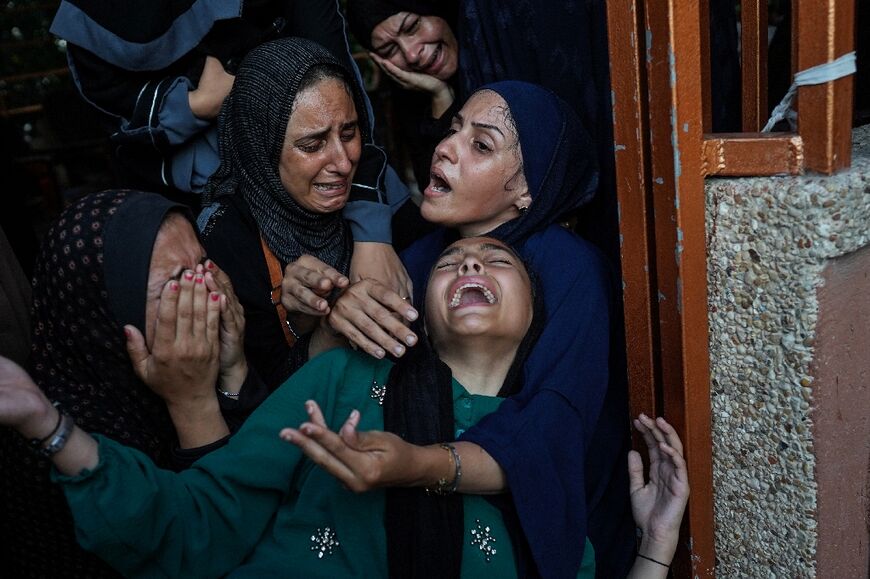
(676,127)
(825,31)
(753,59)
(630,137)
(706,63)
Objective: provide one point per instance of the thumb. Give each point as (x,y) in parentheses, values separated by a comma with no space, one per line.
(635,471)
(137,350)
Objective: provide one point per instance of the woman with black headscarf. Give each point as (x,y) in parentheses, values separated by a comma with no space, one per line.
(290,135)
(103,266)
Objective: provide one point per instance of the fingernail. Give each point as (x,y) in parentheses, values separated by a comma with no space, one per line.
(411,315)
(398,350)
(379,353)
(306,430)
(188,275)
(209,264)
(215,296)
(127,332)
(411,339)
(354,413)
(174,286)
(288,436)
(309,408)
(199,278)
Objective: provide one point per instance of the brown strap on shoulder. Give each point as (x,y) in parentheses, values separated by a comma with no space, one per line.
(275,279)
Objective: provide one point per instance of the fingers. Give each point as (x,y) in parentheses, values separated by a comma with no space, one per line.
(670,435)
(137,350)
(306,283)
(167,315)
(184,323)
(199,302)
(679,463)
(652,436)
(213,318)
(635,471)
(314,413)
(320,455)
(365,315)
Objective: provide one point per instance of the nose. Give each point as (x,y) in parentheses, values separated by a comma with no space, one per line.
(411,50)
(470,266)
(339,159)
(446,149)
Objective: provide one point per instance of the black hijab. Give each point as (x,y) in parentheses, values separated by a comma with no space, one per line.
(364,15)
(90,280)
(251,130)
(425,532)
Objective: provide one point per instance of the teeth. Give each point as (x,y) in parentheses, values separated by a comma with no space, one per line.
(490,297)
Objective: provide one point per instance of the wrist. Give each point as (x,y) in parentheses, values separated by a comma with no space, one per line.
(42,424)
(442,99)
(195,408)
(232,379)
(661,551)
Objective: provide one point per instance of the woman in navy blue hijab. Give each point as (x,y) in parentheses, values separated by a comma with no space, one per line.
(561,440)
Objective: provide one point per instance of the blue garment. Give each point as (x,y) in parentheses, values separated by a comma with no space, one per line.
(562,440)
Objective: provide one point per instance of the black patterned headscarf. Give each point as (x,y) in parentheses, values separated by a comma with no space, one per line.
(90,280)
(251,130)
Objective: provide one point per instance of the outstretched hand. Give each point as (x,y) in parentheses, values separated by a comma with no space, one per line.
(361,460)
(658,504)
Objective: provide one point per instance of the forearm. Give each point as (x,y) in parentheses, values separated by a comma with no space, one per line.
(481,474)
(661,552)
(198,422)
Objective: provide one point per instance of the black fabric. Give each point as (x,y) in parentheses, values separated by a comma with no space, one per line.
(138,21)
(79,359)
(364,15)
(424,532)
(251,129)
(126,263)
(231,238)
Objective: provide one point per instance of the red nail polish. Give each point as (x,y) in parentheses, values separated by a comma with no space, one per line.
(215,297)
(209,264)
(199,278)
(174,286)
(188,275)
(127,332)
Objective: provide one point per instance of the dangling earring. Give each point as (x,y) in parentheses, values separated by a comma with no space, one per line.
(523,210)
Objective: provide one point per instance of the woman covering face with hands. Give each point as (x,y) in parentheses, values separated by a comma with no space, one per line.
(121,262)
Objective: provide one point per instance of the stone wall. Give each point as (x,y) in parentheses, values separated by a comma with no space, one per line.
(769,241)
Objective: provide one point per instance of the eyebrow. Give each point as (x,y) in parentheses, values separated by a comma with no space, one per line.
(485,246)
(399,31)
(321,134)
(461,120)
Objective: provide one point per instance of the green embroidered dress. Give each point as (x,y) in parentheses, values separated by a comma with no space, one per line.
(258,507)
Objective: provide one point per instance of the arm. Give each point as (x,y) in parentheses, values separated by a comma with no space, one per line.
(368,460)
(150,522)
(658,505)
(182,363)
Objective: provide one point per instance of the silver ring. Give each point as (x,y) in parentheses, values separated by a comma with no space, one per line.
(406,298)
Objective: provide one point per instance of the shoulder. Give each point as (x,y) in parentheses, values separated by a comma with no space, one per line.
(557,248)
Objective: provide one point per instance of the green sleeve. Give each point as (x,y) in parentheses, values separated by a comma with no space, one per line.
(203,522)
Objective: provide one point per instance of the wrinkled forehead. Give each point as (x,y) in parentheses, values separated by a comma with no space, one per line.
(489,106)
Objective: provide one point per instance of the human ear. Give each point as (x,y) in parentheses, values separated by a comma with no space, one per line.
(524,200)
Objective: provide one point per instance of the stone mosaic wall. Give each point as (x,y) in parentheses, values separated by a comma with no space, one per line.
(768,241)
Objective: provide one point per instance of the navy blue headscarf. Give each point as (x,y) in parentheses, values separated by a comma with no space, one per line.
(559,159)
(562,439)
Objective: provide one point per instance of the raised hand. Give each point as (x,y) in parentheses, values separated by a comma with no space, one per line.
(233,364)
(183,363)
(379,261)
(658,505)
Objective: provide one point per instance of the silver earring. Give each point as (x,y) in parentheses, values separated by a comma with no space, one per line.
(523,210)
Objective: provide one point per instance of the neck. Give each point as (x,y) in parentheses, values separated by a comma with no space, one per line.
(479,363)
